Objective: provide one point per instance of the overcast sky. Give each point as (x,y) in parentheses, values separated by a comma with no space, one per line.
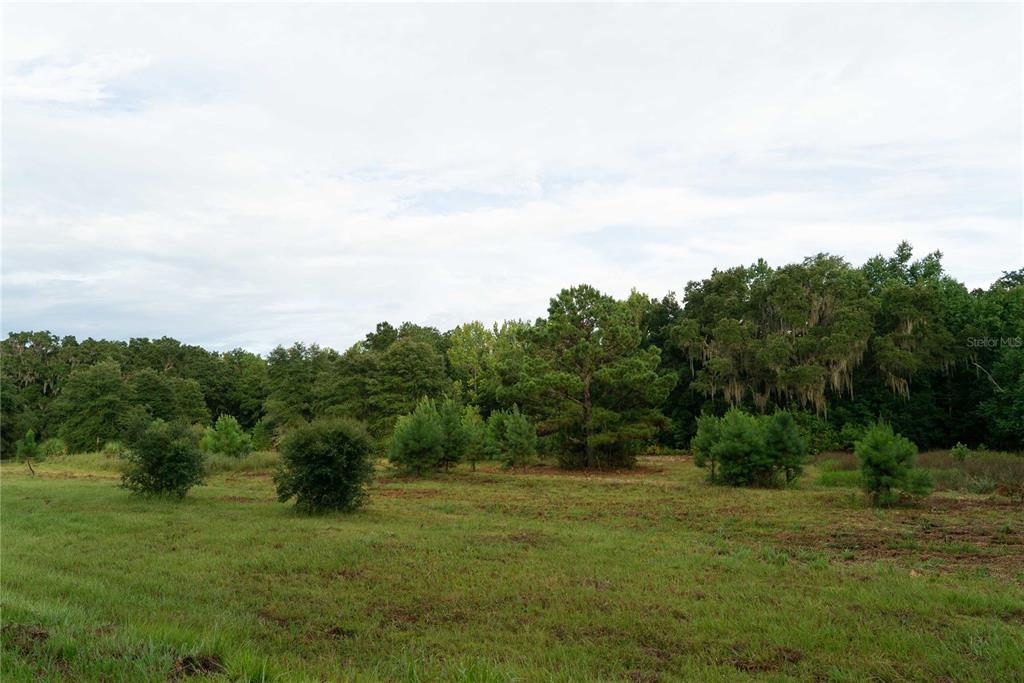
(248,176)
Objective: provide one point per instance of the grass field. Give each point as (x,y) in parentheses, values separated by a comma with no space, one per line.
(647,575)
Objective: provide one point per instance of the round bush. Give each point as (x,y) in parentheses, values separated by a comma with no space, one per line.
(164,459)
(325,465)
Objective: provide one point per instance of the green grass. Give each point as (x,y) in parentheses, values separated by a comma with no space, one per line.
(651,575)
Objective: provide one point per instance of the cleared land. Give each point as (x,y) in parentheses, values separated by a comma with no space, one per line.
(646,575)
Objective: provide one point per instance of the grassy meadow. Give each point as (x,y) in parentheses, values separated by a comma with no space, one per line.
(642,575)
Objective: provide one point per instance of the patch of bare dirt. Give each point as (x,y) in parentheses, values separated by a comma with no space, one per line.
(25,638)
(408,493)
(777,659)
(195,665)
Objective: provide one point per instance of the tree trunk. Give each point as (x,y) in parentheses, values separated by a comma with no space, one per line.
(588,421)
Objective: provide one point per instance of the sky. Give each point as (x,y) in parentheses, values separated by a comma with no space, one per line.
(247,176)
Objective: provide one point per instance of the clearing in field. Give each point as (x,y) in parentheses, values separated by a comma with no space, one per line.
(642,575)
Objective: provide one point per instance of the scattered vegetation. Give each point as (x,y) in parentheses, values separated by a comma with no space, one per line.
(746,450)
(232,587)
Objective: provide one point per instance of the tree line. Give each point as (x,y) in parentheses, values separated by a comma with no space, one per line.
(599,379)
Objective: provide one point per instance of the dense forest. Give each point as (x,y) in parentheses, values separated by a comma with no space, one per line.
(602,379)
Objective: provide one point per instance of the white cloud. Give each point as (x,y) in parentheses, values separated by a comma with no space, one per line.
(84,82)
(256,175)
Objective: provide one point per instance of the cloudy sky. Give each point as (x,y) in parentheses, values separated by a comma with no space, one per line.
(247,176)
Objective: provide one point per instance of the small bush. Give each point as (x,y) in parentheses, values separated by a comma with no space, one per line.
(959,452)
(262,436)
(226,437)
(785,444)
(708,428)
(476,434)
(164,459)
(849,435)
(53,448)
(511,438)
(520,442)
(26,447)
(818,433)
(325,465)
(741,452)
(454,439)
(417,444)
(887,466)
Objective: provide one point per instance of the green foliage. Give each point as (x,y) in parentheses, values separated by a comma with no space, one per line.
(164,460)
(53,447)
(27,448)
(520,440)
(475,429)
(603,379)
(226,438)
(785,444)
(455,438)
(114,449)
(90,405)
(511,438)
(959,452)
(887,466)
(740,451)
(418,442)
(591,381)
(262,436)
(325,465)
(743,450)
(702,444)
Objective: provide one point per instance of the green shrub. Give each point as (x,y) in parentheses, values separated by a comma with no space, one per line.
(849,435)
(417,444)
(262,436)
(226,437)
(511,438)
(520,440)
(708,429)
(959,452)
(164,459)
(817,432)
(26,447)
(455,440)
(54,447)
(476,434)
(740,451)
(325,465)
(887,466)
(494,439)
(785,444)
(743,450)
